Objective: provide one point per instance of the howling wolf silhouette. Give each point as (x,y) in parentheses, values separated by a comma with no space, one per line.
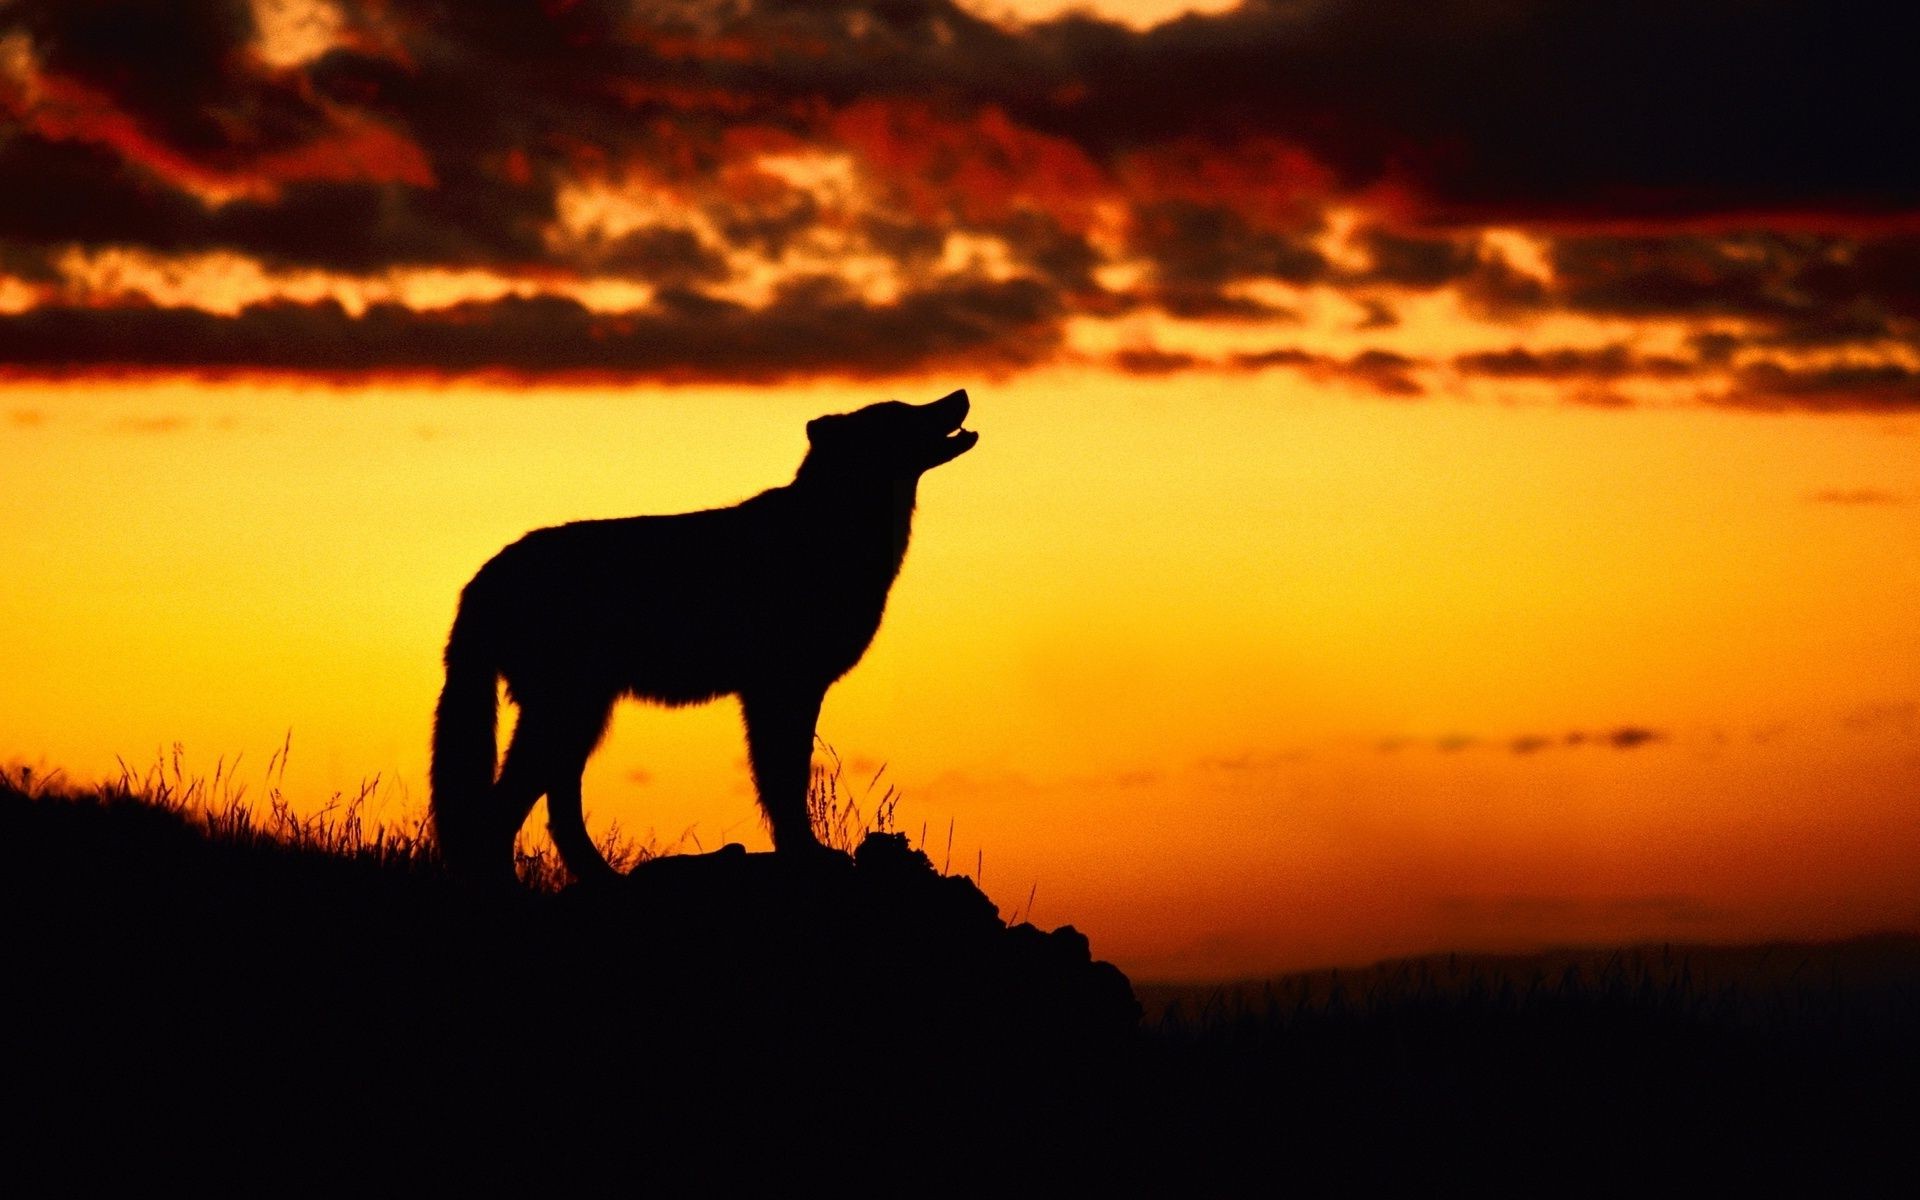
(679,610)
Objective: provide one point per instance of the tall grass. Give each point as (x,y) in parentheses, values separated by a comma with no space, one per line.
(220,803)
(231,810)
(839,817)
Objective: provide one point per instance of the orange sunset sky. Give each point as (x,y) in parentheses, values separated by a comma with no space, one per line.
(1449,475)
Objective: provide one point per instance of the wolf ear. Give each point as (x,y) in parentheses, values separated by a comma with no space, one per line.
(820,426)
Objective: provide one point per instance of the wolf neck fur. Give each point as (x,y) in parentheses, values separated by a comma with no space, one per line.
(865,508)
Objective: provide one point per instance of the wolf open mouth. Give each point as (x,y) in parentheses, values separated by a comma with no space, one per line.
(951,410)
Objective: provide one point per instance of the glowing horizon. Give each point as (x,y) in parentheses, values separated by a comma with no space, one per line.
(1447,476)
(1231,697)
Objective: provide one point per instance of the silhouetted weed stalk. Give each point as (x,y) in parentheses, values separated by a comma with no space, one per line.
(224,806)
(220,805)
(838,816)
(841,822)
(840,819)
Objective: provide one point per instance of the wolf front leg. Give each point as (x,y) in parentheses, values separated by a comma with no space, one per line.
(780,720)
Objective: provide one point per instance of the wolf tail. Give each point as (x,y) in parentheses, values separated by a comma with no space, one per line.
(465,750)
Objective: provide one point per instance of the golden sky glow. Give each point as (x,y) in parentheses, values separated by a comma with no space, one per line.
(1449,478)
(1292,679)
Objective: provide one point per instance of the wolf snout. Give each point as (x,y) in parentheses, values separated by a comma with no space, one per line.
(951,409)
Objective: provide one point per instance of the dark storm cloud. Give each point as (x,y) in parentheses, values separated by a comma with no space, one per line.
(1785,291)
(359,227)
(1812,289)
(670,256)
(1207,304)
(427,137)
(1749,275)
(1879,388)
(175,67)
(1213,244)
(1601,363)
(1282,356)
(811,328)
(84,194)
(1385,372)
(1380,370)
(1417,262)
(1379,314)
(1149,361)
(1636,107)
(1528,109)
(73,192)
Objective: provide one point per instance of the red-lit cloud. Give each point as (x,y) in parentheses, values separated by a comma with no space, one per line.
(764,190)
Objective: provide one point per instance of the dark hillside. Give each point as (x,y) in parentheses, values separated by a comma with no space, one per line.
(199,992)
(190,999)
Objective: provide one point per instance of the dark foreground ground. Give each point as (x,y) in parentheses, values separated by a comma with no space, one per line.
(226,1011)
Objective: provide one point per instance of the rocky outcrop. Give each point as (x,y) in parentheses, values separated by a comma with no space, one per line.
(865,950)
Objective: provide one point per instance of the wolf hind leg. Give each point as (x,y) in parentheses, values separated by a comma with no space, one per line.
(525,776)
(525,773)
(780,725)
(535,765)
(572,740)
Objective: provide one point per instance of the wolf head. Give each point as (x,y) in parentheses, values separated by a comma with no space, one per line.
(891,439)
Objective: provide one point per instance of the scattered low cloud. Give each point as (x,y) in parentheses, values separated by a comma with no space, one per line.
(1624,737)
(1606,362)
(1847,388)
(812,328)
(1859,497)
(1151,361)
(1894,716)
(1251,760)
(1382,371)
(159,424)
